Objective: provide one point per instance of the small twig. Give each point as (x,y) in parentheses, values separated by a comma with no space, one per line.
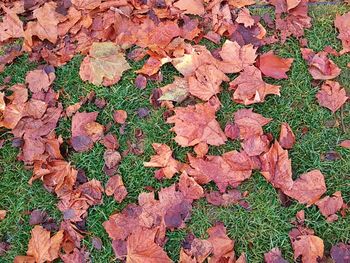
(342,119)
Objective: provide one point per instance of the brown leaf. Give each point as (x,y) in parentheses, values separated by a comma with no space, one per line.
(195,250)
(141,81)
(274,66)
(245,18)
(115,186)
(222,244)
(287,137)
(236,58)
(193,7)
(110,141)
(104,65)
(142,248)
(277,167)
(2,214)
(250,88)
(309,247)
(340,253)
(342,23)
(11,26)
(120,116)
(256,145)
(345,144)
(112,158)
(232,197)
(45,27)
(43,247)
(206,82)
(308,188)
(232,168)
(320,66)
(164,160)
(176,91)
(86,4)
(331,95)
(196,124)
(274,256)
(330,205)
(189,187)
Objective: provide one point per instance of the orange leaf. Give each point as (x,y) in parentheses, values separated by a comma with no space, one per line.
(287,137)
(331,96)
(274,66)
(309,247)
(342,23)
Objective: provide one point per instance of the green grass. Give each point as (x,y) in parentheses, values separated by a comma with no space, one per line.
(256,231)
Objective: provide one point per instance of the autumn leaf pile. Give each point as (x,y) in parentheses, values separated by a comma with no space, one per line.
(108,33)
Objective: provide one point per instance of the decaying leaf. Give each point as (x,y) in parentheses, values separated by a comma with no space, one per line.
(104,65)
(11,26)
(176,91)
(342,23)
(330,205)
(274,256)
(309,247)
(250,88)
(115,186)
(274,66)
(331,95)
(287,137)
(196,124)
(340,252)
(194,7)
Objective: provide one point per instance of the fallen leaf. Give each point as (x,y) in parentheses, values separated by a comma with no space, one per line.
(277,167)
(274,66)
(104,65)
(342,23)
(196,124)
(320,66)
(232,197)
(345,144)
(176,91)
(240,3)
(331,95)
(206,82)
(86,4)
(2,214)
(4,247)
(201,149)
(222,244)
(189,187)
(236,58)
(110,141)
(43,247)
(164,160)
(141,81)
(193,7)
(340,253)
(245,18)
(11,26)
(309,247)
(308,188)
(330,205)
(287,137)
(250,88)
(115,186)
(112,158)
(97,243)
(274,256)
(142,248)
(120,116)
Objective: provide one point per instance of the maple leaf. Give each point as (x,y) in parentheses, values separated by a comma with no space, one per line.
(291,17)
(274,66)
(164,160)
(245,18)
(329,206)
(11,26)
(222,244)
(320,66)
(40,79)
(115,186)
(331,95)
(309,247)
(196,124)
(276,167)
(206,82)
(176,91)
(340,252)
(104,65)
(45,27)
(189,187)
(345,144)
(42,247)
(249,123)
(250,88)
(308,188)
(236,58)
(141,248)
(274,256)
(232,168)
(194,7)
(256,145)
(342,23)
(287,137)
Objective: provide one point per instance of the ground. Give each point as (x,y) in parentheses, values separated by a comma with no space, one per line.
(256,231)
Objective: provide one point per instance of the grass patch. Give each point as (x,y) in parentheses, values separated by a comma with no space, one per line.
(255,232)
